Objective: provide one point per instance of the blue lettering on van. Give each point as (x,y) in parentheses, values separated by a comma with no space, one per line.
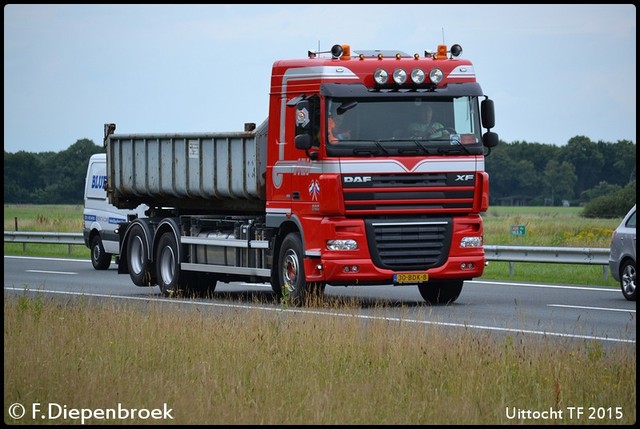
(97,182)
(116,220)
(90,218)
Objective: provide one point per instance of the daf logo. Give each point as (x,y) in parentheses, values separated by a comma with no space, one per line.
(464,177)
(357,179)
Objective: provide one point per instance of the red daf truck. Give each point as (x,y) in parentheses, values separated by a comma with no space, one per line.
(349,181)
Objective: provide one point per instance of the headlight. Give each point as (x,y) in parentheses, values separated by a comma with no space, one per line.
(342,245)
(471,242)
(399,76)
(417,76)
(381,76)
(436,75)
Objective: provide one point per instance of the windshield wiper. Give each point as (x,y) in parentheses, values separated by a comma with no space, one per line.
(377,143)
(365,151)
(417,142)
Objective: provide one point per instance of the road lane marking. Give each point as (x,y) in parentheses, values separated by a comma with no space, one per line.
(50,272)
(592,308)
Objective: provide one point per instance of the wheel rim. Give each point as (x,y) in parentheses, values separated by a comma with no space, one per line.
(167,265)
(290,269)
(629,280)
(136,255)
(96,252)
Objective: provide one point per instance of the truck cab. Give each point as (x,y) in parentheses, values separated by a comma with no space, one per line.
(382,204)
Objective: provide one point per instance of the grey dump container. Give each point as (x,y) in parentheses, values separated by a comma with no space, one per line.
(208,171)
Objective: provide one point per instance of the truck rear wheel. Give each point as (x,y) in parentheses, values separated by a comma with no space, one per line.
(171,279)
(292,285)
(140,267)
(99,258)
(440,291)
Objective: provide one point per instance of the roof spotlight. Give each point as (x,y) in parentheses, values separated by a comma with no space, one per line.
(336,51)
(456,50)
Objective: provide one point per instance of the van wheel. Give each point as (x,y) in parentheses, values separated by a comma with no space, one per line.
(99,258)
(140,267)
(440,291)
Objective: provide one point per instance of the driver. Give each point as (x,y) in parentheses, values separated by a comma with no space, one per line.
(423,127)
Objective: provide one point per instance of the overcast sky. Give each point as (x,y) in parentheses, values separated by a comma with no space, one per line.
(553,71)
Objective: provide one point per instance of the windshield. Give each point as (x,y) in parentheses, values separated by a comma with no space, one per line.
(406,126)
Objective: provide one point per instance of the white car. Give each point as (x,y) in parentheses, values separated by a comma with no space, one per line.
(622,254)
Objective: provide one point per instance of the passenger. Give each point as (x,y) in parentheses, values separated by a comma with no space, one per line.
(337,129)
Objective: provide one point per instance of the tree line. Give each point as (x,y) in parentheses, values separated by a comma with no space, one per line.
(520,173)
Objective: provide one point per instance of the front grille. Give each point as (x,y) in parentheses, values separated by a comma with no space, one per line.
(409,244)
(408,192)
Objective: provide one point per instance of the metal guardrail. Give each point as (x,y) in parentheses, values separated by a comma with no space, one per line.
(69,238)
(511,254)
(541,254)
(43,237)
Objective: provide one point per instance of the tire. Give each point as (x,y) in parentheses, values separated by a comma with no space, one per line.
(441,291)
(292,287)
(628,280)
(140,267)
(99,258)
(172,280)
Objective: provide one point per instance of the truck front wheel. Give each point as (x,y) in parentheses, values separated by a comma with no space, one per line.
(440,291)
(292,286)
(140,268)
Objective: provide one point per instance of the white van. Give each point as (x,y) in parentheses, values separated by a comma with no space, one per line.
(100,217)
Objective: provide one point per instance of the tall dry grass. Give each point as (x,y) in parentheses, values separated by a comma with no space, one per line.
(283,367)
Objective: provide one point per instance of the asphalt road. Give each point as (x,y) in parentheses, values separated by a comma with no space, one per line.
(563,312)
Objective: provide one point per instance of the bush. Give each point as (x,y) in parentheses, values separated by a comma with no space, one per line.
(614,205)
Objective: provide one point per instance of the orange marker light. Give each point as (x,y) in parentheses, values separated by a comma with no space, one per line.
(346,52)
(442,51)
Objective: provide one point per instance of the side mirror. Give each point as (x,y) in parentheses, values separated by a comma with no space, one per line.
(303,141)
(487,114)
(490,139)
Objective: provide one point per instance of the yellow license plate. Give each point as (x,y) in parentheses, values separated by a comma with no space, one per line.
(410,278)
